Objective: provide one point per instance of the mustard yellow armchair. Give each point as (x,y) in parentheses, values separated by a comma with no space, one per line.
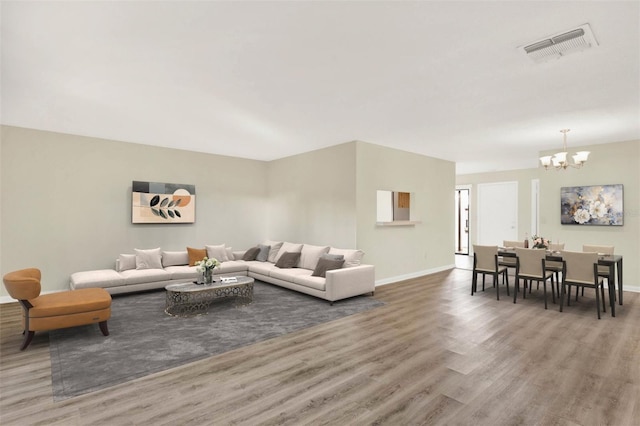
(56,310)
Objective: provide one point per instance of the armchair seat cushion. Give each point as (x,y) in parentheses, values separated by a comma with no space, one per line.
(70,302)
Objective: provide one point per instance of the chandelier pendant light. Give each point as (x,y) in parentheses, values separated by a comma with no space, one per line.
(559,160)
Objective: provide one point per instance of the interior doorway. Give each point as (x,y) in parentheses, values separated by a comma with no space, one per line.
(462,221)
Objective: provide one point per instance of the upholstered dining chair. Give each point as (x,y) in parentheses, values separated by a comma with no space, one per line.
(603,270)
(56,310)
(530,266)
(555,266)
(581,270)
(485,262)
(508,261)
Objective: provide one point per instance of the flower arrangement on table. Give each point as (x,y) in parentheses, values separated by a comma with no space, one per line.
(206,266)
(539,242)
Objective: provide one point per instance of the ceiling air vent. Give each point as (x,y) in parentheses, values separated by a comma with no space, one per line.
(561,44)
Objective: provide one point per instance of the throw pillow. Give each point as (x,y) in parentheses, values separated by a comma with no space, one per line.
(263,255)
(333,256)
(196,255)
(288,247)
(351,257)
(230,255)
(148,259)
(175,258)
(288,260)
(217,252)
(251,254)
(126,262)
(310,255)
(325,265)
(274,249)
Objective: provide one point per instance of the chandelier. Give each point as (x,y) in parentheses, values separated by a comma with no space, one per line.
(559,160)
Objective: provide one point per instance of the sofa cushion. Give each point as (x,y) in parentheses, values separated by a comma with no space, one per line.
(196,255)
(263,254)
(333,256)
(310,255)
(317,283)
(289,274)
(126,261)
(251,254)
(231,266)
(174,258)
(274,248)
(288,260)
(183,272)
(351,257)
(262,268)
(138,276)
(288,247)
(99,278)
(148,259)
(218,252)
(325,265)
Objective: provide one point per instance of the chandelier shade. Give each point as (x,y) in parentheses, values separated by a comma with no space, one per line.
(559,160)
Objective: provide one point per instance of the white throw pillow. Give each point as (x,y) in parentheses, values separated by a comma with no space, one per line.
(230,255)
(148,259)
(310,255)
(126,262)
(175,258)
(218,252)
(287,248)
(274,248)
(351,257)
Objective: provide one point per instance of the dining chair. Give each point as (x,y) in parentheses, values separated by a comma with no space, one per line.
(580,269)
(555,266)
(485,262)
(508,261)
(603,271)
(530,266)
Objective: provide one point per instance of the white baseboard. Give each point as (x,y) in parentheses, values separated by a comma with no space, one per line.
(413,275)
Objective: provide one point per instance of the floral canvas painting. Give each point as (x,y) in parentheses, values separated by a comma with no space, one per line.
(155,202)
(592,205)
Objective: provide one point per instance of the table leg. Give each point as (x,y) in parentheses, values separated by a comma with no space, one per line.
(620,280)
(612,289)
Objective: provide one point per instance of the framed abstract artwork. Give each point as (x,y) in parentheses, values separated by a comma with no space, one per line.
(155,202)
(592,205)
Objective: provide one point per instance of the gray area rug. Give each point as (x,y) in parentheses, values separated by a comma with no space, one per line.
(144,339)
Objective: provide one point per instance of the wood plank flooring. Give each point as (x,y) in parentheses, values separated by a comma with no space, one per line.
(433,354)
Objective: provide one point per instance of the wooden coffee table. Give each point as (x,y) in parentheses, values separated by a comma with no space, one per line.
(189,299)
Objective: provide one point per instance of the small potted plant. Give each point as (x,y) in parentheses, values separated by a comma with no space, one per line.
(539,242)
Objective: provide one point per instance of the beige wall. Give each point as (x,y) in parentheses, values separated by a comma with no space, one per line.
(406,251)
(312,197)
(66,201)
(613,163)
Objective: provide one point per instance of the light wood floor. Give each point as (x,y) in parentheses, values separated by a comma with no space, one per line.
(433,354)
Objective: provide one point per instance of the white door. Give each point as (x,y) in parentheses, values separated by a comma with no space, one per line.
(497,212)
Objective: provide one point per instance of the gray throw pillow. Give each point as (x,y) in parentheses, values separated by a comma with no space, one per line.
(288,259)
(332,256)
(325,265)
(263,255)
(251,254)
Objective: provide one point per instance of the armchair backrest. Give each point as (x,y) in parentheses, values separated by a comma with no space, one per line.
(23,284)
(579,266)
(531,261)
(598,249)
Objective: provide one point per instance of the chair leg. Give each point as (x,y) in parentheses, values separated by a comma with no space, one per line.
(496,285)
(569,294)
(104,328)
(544,288)
(603,301)
(553,290)
(28,336)
(515,289)
(561,296)
(474,282)
(597,301)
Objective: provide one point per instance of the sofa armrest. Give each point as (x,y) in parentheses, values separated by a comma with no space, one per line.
(348,282)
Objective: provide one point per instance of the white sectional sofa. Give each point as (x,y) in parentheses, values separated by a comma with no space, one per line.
(153,269)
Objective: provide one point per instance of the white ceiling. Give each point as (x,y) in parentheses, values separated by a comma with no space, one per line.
(270,79)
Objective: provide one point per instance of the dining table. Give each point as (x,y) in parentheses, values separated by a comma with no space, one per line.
(611,261)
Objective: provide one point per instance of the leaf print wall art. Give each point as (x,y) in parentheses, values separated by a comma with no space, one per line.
(156,202)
